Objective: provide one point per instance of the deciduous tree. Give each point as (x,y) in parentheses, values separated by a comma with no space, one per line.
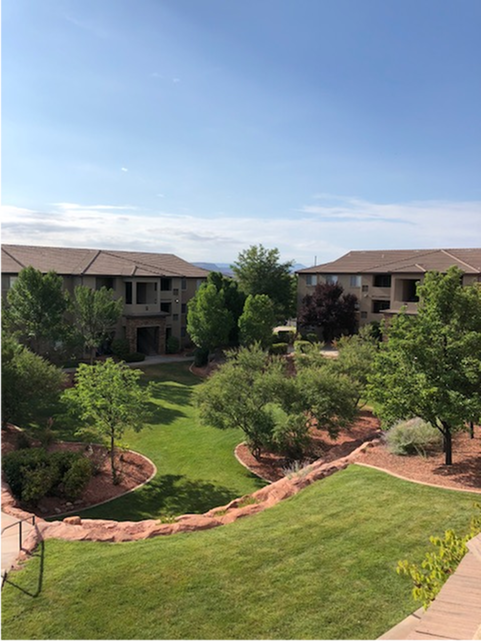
(257,321)
(36,305)
(208,320)
(96,313)
(108,399)
(431,363)
(30,385)
(329,309)
(234,301)
(259,271)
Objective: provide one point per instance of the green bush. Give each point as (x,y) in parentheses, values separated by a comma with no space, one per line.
(120,348)
(414,436)
(135,357)
(34,473)
(23,442)
(302,347)
(283,336)
(201,356)
(278,349)
(77,477)
(312,337)
(173,345)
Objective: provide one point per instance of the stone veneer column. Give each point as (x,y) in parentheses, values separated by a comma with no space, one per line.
(133,324)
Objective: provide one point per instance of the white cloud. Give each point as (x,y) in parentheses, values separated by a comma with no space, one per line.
(124,169)
(321,229)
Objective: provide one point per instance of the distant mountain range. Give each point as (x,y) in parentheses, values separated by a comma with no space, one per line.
(224,268)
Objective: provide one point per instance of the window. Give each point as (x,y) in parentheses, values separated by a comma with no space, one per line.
(175,317)
(11,281)
(184,308)
(175,291)
(409,291)
(365,288)
(183,332)
(128,293)
(165,307)
(166,284)
(331,279)
(363,314)
(379,305)
(198,283)
(355,281)
(104,281)
(382,280)
(184,283)
(311,280)
(146,294)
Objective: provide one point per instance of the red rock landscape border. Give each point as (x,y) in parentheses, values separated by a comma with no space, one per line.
(73,528)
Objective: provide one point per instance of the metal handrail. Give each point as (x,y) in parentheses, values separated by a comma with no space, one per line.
(19,523)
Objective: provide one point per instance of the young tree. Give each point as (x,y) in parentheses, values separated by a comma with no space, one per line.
(30,385)
(96,313)
(108,398)
(36,305)
(331,310)
(208,320)
(258,271)
(257,321)
(431,362)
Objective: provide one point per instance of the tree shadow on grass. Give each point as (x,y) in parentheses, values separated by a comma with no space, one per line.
(30,583)
(171,393)
(165,495)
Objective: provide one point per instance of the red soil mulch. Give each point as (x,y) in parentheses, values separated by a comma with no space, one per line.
(271,466)
(134,470)
(464,473)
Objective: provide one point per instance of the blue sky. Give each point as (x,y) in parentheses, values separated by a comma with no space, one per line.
(200,127)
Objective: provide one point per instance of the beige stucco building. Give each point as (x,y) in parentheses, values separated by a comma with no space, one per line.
(385,280)
(155,287)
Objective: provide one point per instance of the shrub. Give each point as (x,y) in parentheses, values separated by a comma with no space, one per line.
(23,442)
(201,356)
(173,345)
(278,349)
(312,337)
(135,357)
(35,473)
(283,336)
(414,436)
(439,565)
(302,347)
(77,477)
(120,348)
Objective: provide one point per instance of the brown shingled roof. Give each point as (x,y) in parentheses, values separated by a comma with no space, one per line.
(69,261)
(401,261)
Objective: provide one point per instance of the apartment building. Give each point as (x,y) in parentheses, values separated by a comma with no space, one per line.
(155,288)
(385,280)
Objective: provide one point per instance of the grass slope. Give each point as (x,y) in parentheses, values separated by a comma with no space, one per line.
(196,467)
(320,565)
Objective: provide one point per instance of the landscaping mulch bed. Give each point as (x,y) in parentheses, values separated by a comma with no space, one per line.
(134,470)
(464,473)
(272,467)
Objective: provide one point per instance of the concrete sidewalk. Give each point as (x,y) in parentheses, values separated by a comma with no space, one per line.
(11,539)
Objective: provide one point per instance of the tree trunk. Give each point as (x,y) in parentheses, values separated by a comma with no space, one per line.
(112,460)
(92,355)
(448,444)
(471,429)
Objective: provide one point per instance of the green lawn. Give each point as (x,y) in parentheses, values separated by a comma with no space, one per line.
(196,467)
(320,565)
